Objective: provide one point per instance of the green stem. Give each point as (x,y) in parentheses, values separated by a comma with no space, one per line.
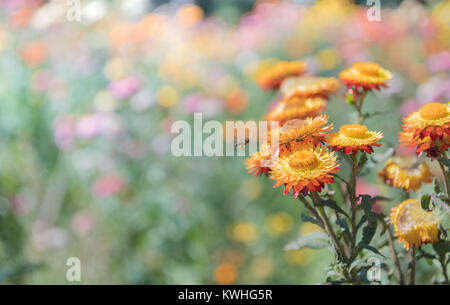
(412,280)
(446,175)
(353,199)
(359,104)
(310,208)
(444,269)
(394,255)
(327,225)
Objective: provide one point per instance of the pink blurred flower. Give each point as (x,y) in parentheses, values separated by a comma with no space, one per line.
(108,185)
(125,87)
(439,62)
(437,89)
(64,131)
(409,106)
(83,223)
(88,126)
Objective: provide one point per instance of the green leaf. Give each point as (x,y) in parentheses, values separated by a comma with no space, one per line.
(437,188)
(361,222)
(368,234)
(344,227)
(442,247)
(334,206)
(366,204)
(373,249)
(315,240)
(357,263)
(425,201)
(441,203)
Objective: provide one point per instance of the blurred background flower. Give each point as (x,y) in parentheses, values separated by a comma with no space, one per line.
(85,162)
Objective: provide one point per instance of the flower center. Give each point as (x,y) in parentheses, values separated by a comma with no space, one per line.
(353,130)
(369,68)
(433,111)
(303,160)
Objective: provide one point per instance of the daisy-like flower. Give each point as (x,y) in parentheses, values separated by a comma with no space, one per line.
(308,86)
(432,148)
(352,138)
(413,225)
(297,132)
(306,168)
(366,75)
(272,78)
(406,173)
(296,108)
(428,129)
(255,164)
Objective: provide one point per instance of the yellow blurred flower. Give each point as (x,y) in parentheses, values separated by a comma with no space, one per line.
(296,108)
(406,173)
(302,257)
(245,232)
(329,59)
(167,96)
(309,86)
(278,223)
(251,189)
(272,78)
(308,228)
(105,101)
(116,68)
(261,267)
(367,75)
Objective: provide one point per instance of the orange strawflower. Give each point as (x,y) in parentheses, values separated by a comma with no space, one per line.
(432,120)
(406,173)
(366,75)
(306,168)
(307,86)
(413,225)
(272,78)
(309,130)
(352,138)
(432,148)
(255,164)
(296,108)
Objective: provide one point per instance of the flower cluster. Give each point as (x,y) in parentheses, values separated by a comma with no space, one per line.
(303,163)
(306,158)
